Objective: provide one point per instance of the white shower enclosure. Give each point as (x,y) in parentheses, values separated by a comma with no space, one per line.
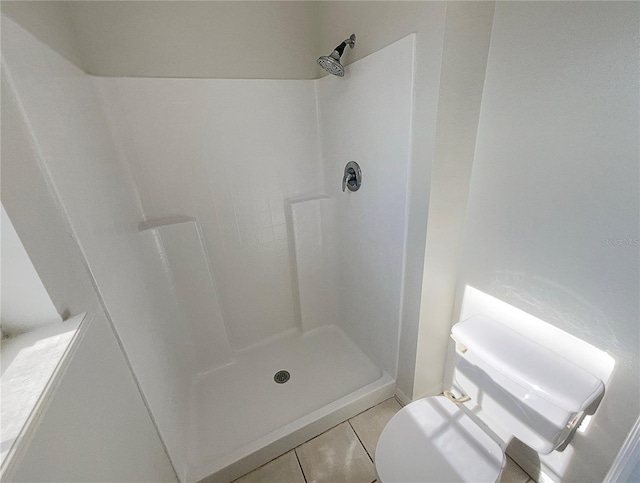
(212,217)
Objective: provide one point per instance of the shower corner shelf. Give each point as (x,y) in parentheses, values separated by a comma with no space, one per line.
(165,221)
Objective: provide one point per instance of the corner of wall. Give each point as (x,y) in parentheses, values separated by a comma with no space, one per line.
(49,22)
(464,59)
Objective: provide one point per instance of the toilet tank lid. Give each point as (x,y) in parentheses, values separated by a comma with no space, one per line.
(528,363)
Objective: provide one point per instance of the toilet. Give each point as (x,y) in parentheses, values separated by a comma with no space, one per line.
(505,386)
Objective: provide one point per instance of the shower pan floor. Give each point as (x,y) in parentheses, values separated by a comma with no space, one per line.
(239,409)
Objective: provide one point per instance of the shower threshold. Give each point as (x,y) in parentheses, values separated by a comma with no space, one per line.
(242,418)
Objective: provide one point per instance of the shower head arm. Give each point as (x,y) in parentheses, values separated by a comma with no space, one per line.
(351,41)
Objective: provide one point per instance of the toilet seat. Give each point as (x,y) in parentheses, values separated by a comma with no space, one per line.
(433,440)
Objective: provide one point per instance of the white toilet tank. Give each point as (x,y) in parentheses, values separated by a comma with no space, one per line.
(518,387)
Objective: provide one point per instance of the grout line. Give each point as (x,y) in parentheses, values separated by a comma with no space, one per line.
(317,436)
(300,464)
(347,420)
(361,443)
(530,480)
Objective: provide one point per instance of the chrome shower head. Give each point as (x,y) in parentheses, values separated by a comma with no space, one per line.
(331,63)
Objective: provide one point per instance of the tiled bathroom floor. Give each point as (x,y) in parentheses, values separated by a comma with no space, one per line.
(345,454)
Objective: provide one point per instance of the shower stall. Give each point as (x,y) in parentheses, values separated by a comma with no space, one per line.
(224,249)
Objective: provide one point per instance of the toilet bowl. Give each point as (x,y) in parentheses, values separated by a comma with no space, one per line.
(433,438)
(510,386)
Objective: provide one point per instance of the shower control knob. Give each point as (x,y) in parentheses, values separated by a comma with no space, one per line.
(348,180)
(352,178)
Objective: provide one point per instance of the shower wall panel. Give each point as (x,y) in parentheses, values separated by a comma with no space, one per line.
(62,110)
(314,252)
(189,267)
(227,152)
(102,376)
(366,117)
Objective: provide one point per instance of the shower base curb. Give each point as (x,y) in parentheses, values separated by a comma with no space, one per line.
(293,434)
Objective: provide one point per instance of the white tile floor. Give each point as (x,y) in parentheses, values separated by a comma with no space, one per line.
(345,454)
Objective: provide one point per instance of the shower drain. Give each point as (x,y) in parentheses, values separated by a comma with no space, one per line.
(281,377)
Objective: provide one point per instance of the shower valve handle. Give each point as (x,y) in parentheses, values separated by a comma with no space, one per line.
(352,178)
(346,179)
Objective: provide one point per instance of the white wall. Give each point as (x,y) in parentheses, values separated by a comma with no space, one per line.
(555,185)
(95,191)
(97,399)
(220,39)
(50,22)
(464,60)
(263,40)
(96,426)
(227,152)
(36,216)
(26,305)
(366,117)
